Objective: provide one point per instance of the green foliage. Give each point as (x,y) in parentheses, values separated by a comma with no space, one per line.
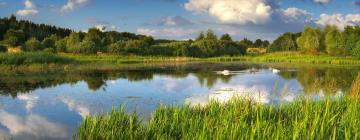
(334,41)
(14,37)
(356,51)
(237,119)
(31,58)
(226,37)
(3,48)
(210,35)
(201,36)
(286,42)
(60,45)
(85,47)
(32,45)
(49,42)
(117,48)
(310,40)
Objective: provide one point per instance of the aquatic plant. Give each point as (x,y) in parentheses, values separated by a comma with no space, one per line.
(238,119)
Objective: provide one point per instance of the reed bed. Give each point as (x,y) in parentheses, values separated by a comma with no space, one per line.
(237,119)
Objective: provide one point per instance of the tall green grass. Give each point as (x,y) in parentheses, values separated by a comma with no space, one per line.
(32,58)
(238,119)
(292,57)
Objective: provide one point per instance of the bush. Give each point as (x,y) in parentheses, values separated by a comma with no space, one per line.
(31,58)
(356,51)
(3,48)
(32,45)
(85,47)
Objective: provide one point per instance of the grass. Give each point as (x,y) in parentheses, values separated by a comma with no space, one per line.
(238,119)
(304,119)
(293,57)
(32,58)
(26,58)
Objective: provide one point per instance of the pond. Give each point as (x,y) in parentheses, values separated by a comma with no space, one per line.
(51,104)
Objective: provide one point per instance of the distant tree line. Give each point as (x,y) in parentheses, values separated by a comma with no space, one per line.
(313,40)
(40,37)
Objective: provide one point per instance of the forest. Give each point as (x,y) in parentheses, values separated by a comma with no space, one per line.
(29,37)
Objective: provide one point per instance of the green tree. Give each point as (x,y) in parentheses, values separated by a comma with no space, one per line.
(32,45)
(210,35)
(246,42)
(310,40)
(200,37)
(351,35)
(356,50)
(49,42)
(226,37)
(285,42)
(117,48)
(334,41)
(72,41)
(3,48)
(96,36)
(14,37)
(60,45)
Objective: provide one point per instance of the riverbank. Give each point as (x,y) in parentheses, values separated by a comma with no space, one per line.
(303,119)
(43,58)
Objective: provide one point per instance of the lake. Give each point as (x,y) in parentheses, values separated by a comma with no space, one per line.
(51,104)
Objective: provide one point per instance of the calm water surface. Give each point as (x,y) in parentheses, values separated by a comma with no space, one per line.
(50,105)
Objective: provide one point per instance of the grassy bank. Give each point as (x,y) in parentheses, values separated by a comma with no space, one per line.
(33,58)
(292,57)
(304,119)
(283,57)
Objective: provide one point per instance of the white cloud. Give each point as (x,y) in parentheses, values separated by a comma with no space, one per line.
(35,126)
(82,109)
(339,20)
(30,100)
(30,9)
(174,21)
(322,1)
(295,14)
(72,4)
(168,33)
(232,11)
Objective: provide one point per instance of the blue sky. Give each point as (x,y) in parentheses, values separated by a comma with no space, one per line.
(184,19)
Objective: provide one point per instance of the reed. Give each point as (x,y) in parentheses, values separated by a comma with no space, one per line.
(237,119)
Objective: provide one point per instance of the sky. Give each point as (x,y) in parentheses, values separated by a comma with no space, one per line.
(185,19)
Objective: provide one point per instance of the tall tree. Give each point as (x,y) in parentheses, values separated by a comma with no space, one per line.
(226,37)
(14,37)
(310,40)
(334,41)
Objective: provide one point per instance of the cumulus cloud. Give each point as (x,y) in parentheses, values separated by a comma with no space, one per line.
(339,20)
(31,127)
(168,33)
(232,11)
(322,1)
(29,99)
(30,9)
(72,4)
(295,14)
(174,21)
(82,109)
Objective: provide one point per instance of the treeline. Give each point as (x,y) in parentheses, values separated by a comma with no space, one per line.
(313,40)
(39,37)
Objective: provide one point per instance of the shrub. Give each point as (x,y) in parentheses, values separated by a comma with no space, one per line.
(3,48)
(31,58)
